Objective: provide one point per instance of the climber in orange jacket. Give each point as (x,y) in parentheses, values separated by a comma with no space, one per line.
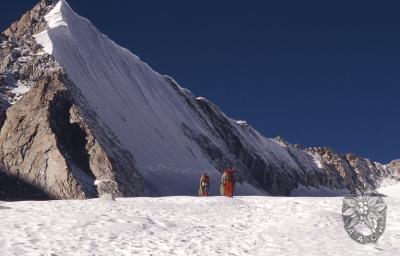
(204,185)
(228,183)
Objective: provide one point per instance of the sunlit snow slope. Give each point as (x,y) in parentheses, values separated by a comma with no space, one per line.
(137,103)
(173,136)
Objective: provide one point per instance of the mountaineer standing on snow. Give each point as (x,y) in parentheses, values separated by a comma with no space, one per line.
(204,185)
(228,183)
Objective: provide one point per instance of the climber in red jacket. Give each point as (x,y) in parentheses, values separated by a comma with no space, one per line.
(204,185)
(228,183)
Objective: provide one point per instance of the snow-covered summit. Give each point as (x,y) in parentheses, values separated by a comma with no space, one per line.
(138,104)
(173,136)
(150,117)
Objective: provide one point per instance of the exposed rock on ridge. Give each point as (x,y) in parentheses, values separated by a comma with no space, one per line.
(313,167)
(49,137)
(46,142)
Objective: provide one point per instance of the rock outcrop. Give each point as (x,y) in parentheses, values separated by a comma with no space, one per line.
(49,137)
(31,22)
(394,167)
(47,143)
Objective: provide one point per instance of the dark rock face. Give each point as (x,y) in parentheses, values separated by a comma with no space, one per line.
(45,142)
(354,171)
(313,167)
(13,188)
(51,143)
(22,61)
(31,22)
(29,149)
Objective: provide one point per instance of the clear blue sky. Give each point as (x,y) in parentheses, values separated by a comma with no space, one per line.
(315,72)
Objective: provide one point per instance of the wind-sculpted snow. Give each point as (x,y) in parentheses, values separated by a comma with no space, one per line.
(137,103)
(175,137)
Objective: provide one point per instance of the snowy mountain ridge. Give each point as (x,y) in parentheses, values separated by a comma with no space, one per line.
(145,120)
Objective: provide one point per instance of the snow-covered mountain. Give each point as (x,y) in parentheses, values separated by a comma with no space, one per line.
(76,107)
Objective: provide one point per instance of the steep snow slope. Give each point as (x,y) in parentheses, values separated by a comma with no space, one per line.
(173,136)
(137,103)
(188,226)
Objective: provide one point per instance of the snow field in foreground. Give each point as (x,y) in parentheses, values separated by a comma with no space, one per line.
(187,226)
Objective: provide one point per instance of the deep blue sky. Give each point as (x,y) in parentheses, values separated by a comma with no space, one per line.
(315,72)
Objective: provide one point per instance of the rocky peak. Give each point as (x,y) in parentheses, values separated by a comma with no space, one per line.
(31,22)
(22,60)
(51,143)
